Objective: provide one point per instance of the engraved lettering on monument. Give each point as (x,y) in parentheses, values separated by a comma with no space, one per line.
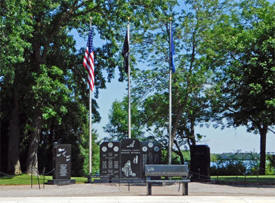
(110,159)
(131,159)
(62,161)
(151,153)
(63,171)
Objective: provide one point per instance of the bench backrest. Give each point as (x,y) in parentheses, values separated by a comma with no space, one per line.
(166,170)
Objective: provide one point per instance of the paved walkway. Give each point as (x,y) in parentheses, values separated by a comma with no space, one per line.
(109,193)
(141,199)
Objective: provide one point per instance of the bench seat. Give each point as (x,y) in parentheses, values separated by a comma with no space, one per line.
(167,181)
(158,170)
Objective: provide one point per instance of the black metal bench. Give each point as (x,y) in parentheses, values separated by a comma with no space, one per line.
(159,170)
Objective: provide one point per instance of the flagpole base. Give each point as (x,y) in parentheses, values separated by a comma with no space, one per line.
(89,179)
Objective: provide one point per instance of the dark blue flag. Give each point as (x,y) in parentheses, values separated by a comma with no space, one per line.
(126,52)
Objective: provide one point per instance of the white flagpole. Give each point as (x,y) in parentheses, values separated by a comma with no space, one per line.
(129,86)
(90,133)
(170,98)
(90,126)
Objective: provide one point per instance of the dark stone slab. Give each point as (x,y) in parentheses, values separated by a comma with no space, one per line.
(151,153)
(62,165)
(110,161)
(62,161)
(131,159)
(154,153)
(200,163)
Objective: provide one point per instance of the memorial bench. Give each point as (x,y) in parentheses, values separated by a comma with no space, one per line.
(159,170)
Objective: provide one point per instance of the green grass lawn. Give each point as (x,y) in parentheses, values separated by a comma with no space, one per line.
(248,179)
(26,179)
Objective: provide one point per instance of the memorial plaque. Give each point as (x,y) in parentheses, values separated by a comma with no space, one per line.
(110,159)
(151,153)
(155,153)
(144,154)
(62,161)
(131,159)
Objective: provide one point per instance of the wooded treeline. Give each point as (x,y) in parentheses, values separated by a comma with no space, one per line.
(224,69)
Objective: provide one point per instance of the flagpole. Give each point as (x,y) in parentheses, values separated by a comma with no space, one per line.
(129,84)
(90,127)
(170,98)
(90,133)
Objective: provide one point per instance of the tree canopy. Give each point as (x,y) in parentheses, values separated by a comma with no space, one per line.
(43,83)
(192,86)
(224,70)
(245,50)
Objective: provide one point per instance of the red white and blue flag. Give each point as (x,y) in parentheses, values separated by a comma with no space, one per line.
(88,61)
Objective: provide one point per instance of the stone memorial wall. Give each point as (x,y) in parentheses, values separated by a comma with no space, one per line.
(126,159)
(110,159)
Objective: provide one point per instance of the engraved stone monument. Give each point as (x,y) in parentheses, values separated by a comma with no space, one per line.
(110,161)
(62,165)
(151,153)
(131,159)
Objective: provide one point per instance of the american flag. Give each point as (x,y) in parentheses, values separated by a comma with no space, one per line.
(88,61)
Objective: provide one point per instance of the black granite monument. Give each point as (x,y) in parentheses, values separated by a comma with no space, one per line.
(131,159)
(200,163)
(110,161)
(151,153)
(125,160)
(62,165)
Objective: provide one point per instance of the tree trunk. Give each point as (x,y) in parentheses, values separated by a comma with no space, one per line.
(1,147)
(14,166)
(192,133)
(263,132)
(179,152)
(32,158)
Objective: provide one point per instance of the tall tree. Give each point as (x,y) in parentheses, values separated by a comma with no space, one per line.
(193,87)
(117,127)
(52,22)
(50,76)
(245,53)
(14,28)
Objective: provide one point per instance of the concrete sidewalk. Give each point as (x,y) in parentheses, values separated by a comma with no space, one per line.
(142,199)
(121,193)
(111,189)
